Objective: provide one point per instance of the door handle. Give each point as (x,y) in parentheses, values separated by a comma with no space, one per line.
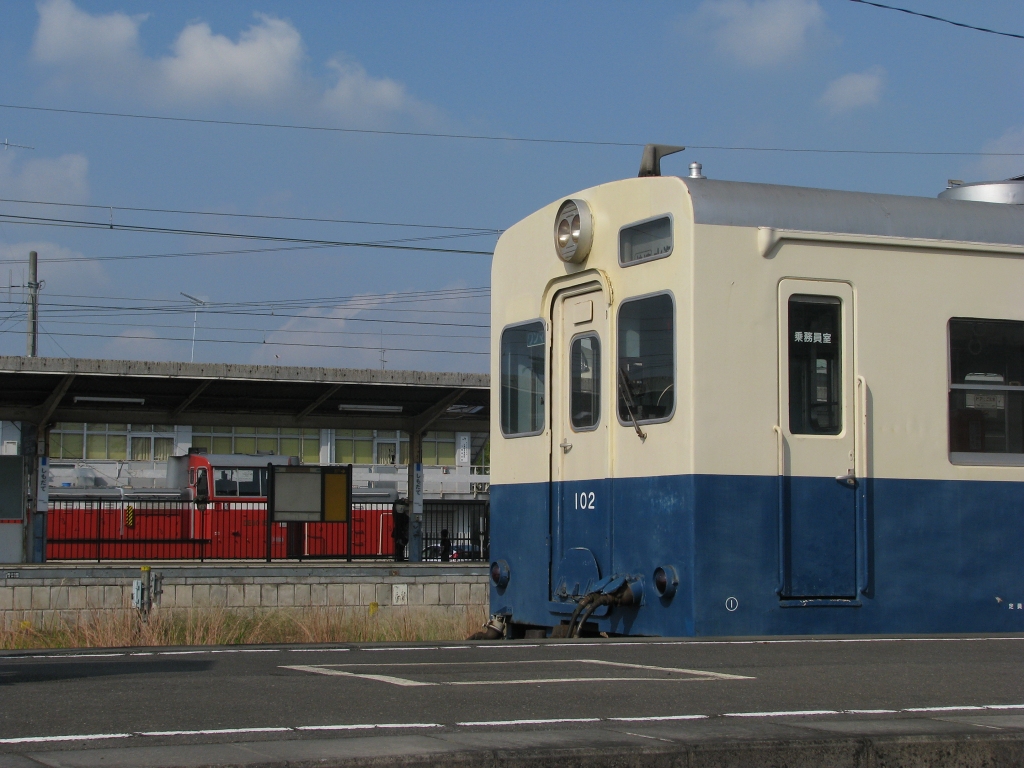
(565,445)
(849,479)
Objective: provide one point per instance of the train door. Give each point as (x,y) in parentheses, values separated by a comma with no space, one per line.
(580,404)
(818,431)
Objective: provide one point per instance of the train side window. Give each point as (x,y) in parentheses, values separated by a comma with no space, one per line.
(585,384)
(986,396)
(522,379)
(646,360)
(815,366)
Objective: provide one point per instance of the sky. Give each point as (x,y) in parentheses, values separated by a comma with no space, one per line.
(797,74)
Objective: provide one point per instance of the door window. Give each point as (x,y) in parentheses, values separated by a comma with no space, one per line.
(585,396)
(646,364)
(815,366)
(522,379)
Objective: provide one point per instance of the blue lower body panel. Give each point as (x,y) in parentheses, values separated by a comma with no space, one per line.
(909,556)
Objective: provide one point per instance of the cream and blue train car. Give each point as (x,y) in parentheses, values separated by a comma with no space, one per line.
(725,408)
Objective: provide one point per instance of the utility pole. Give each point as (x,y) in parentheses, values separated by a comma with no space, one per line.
(32,342)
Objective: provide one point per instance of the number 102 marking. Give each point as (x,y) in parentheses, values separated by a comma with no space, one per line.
(584,500)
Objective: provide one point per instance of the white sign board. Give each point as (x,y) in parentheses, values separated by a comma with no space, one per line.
(297,497)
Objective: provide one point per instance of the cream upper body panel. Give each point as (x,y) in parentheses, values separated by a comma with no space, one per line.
(910,263)
(527,277)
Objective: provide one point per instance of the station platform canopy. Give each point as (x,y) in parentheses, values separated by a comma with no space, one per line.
(44,390)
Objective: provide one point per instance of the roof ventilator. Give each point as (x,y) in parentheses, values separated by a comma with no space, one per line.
(1008,192)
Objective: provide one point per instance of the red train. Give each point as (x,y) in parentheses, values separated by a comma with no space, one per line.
(214,507)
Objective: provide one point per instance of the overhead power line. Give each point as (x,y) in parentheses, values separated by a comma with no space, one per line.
(439,294)
(938,18)
(306,219)
(94,311)
(79,224)
(268,343)
(523,139)
(308,331)
(324,128)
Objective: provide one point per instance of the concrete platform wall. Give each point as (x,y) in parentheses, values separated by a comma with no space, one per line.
(42,594)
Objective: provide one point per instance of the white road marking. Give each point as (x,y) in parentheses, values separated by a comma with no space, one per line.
(693,675)
(645,736)
(940,709)
(580,680)
(365,726)
(495,723)
(324,670)
(697,672)
(796,713)
(532,722)
(511,646)
(657,718)
(213,731)
(81,737)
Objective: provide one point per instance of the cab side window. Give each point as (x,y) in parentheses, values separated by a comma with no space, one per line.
(522,379)
(646,359)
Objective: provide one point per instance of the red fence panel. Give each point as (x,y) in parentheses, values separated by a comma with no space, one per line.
(93,529)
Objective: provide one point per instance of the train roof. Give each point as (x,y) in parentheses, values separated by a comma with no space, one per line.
(746,204)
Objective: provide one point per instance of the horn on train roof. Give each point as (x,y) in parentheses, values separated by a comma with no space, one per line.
(650,163)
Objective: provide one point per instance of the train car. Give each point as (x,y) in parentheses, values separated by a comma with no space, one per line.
(725,408)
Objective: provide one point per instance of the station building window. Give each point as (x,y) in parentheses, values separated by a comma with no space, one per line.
(439,449)
(111,442)
(646,359)
(986,391)
(387,446)
(151,442)
(522,379)
(280,441)
(353,446)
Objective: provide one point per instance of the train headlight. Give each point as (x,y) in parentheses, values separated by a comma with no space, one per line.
(500,574)
(666,581)
(574,231)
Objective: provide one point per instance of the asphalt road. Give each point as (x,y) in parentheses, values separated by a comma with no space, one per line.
(73,708)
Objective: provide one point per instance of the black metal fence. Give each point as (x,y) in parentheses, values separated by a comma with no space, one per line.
(100,530)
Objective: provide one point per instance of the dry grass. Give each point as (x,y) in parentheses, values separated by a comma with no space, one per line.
(218,626)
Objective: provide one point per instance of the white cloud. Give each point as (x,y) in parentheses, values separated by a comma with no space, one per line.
(59,179)
(853,91)
(1004,167)
(763,32)
(67,35)
(265,66)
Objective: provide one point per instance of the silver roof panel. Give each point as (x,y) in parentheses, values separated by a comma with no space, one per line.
(743,204)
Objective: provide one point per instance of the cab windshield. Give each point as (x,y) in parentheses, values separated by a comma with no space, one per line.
(240,481)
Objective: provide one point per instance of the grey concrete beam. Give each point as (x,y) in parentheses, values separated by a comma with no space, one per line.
(46,410)
(191,398)
(319,401)
(432,414)
(238,372)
